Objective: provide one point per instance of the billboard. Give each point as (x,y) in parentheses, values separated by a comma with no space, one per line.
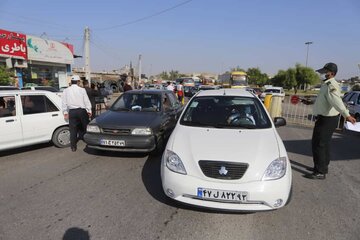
(12,44)
(48,51)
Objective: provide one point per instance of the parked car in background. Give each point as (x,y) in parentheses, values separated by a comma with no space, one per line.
(29,117)
(190,91)
(275,91)
(153,86)
(138,121)
(225,153)
(352,101)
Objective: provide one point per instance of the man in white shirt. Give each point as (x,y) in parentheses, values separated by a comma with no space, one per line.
(170,86)
(76,107)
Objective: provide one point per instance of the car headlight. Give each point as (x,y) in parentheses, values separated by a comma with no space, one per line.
(141,131)
(276,169)
(92,129)
(174,163)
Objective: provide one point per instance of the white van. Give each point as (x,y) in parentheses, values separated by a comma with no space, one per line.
(275,91)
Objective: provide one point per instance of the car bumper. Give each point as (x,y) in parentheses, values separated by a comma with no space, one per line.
(262,195)
(132,143)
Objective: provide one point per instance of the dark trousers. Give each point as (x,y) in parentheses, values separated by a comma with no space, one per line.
(78,121)
(321,138)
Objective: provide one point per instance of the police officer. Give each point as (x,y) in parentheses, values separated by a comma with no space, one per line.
(77,108)
(327,107)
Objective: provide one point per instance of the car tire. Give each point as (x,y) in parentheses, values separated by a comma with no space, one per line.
(159,146)
(290,196)
(61,137)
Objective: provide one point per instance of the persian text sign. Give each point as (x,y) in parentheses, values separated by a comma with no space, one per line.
(12,44)
(48,51)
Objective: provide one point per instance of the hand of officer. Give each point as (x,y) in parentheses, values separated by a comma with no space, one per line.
(90,114)
(351,119)
(66,116)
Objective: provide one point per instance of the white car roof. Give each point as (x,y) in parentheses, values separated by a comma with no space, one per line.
(226,92)
(6,92)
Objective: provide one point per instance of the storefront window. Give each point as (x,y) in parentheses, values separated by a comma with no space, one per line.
(39,75)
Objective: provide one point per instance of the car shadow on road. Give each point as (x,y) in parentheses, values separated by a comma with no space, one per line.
(151,178)
(95,152)
(25,149)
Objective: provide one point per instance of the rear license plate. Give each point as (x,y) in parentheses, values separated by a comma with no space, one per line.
(117,143)
(222,195)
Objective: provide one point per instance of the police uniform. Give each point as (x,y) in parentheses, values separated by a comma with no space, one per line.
(76,103)
(327,107)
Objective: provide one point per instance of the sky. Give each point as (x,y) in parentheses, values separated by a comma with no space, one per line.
(198,35)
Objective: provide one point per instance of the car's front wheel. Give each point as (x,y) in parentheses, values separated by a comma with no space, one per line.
(61,137)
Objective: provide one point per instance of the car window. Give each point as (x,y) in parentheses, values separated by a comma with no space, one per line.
(7,106)
(353,98)
(225,112)
(173,100)
(348,96)
(34,104)
(137,102)
(358,99)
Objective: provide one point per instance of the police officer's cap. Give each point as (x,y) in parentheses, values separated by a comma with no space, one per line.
(329,67)
(75,78)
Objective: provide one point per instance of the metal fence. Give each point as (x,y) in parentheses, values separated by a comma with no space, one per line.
(301,112)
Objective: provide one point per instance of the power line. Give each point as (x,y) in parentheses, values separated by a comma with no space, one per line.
(144,18)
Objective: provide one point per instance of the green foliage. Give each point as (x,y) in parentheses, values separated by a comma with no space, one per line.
(306,75)
(238,68)
(164,75)
(256,77)
(5,76)
(174,75)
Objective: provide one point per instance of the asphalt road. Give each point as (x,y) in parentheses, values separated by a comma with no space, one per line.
(52,193)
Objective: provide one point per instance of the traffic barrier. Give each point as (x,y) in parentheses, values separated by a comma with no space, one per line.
(267,101)
(275,106)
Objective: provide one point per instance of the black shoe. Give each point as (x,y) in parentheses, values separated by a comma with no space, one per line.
(73,149)
(316,176)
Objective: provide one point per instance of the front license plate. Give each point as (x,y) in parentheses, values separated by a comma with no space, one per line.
(222,195)
(117,143)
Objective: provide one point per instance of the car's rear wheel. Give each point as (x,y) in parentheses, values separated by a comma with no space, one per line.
(61,137)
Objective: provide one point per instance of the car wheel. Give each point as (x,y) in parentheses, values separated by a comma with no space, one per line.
(61,137)
(357,117)
(290,196)
(159,146)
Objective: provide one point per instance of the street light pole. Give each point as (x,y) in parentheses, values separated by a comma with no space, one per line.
(307,52)
(307,56)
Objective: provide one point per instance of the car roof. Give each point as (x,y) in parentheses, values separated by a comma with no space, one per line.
(225,92)
(149,91)
(25,92)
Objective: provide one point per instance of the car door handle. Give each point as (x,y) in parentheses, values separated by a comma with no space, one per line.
(54,115)
(10,120)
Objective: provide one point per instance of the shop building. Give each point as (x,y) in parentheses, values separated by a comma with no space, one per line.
(44,63)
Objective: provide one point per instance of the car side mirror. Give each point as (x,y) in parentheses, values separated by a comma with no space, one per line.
(279,121)
(351,103)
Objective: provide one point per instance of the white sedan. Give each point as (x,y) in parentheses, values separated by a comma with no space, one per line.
(225,153)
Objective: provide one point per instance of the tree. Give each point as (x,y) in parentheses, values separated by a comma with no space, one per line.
(256,77)
(5,76)
(174,75)
(164,75)
(237,69)
(306,76)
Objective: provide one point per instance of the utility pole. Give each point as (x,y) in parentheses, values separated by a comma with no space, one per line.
(87,54)
(139,71)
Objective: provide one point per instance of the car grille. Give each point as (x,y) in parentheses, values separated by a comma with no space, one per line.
(116,131)
(212,169)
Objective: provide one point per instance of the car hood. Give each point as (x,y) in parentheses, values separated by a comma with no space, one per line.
(256,147)
(112,119)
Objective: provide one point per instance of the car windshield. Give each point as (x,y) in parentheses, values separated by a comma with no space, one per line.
(273,90)
(137,102)
(225,112)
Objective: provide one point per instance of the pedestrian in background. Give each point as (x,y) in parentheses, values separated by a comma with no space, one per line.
(92,94)
(170,86)
(327,107)
(76,107)
(127,86)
